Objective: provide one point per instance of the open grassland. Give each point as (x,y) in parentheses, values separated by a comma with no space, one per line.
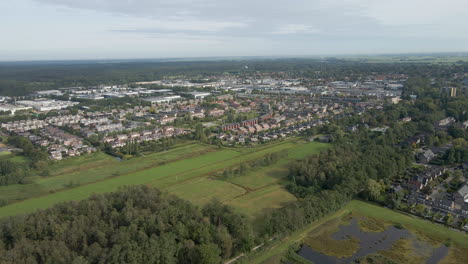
(202,190)
(170,170)
(402,250)
(94,167)
(258,190)
(256,202)
(275,173)
(212,167)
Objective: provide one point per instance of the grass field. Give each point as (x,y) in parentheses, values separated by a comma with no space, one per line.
(91,168)
(430,232)
(202,190)
(256,202)
(5,153)
(253,193)
(176,171)
(273,174)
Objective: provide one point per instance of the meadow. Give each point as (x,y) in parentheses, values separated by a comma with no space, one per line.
(90,168)
(254,192)
(184,171)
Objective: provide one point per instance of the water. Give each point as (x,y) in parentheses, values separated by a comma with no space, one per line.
(371,242)
(438,255)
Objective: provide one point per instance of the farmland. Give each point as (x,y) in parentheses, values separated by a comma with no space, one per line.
(254,192)
(422,238)
(91,168)
(185,171)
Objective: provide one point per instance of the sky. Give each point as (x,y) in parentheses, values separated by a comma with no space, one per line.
(132,29)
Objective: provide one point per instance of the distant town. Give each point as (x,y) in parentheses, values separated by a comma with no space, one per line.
(390,139)
(275,109)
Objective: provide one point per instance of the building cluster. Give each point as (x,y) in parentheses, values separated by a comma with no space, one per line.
(427,188)
(44,105)
(454,204)
(265,108)
(277,118)
(58,143)
(101,92)
(155,134)
(40,105)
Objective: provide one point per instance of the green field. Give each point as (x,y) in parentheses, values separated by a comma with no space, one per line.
(251,194)
(5,153)
(433,234)
(183,171)
(202,190)
(91,168)
(256,202)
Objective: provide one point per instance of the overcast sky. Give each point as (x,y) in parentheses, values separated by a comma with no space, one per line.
(106,29)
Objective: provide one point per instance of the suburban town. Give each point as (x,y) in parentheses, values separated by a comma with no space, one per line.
(271,137)
(276,107)
(233,132)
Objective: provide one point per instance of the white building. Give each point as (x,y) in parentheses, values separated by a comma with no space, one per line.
(13,108)
(49,92)
(46,105)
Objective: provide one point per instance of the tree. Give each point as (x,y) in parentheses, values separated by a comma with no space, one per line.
(420,208)
(448,219)
(208,254)
(373,190)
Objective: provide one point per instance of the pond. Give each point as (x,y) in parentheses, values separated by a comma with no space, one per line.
(370,242)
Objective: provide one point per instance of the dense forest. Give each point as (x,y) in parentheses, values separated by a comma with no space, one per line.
(134,225)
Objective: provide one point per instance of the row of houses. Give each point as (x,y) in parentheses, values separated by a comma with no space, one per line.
(421,180)
(147,135)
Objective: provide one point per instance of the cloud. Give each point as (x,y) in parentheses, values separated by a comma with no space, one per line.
(295,29)
(284,17)
(235,27)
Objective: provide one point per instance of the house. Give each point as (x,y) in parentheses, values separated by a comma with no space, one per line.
(55,155)
(461,196)
(444,204)
(444,123)
(413,185)
(216,112)
(425,156)
(414,140)
(464,209)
